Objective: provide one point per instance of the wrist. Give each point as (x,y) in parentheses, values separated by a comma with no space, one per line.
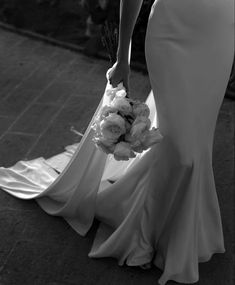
(124,54)
(123,58)
(123,64)
(123,61)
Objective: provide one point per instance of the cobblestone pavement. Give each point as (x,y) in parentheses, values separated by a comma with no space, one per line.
(44,91)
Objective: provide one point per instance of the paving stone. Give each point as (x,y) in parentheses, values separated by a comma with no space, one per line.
(17,102)
(35,119)
(29,62)
(47,73)
(38,80)
(44,51)
(43,263)
(61,283)
(20,53)
(13,62)
(76,113)
(9,40)
(13,148)
(223,152)
(8,44)
(78,109)
(13,222)
(9,84)
(52,231)
(5,123)
(68,264)
(24,48)
(98,72)
(61,60)
(86,90)
(209,271)
(11,230)
(56,93)
(79,70)
(223,164)
(14,76)
(54,140)
(87,75)
(10,203)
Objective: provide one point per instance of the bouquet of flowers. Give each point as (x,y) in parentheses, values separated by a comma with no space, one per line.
(122,127)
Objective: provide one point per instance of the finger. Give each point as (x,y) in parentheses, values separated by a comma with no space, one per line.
(112,82)
(126,84)
(109,73)
(115,83)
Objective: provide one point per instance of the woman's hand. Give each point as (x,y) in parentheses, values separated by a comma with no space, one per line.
(129,11)
(119,72)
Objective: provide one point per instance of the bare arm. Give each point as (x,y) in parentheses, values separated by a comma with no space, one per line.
(129,10)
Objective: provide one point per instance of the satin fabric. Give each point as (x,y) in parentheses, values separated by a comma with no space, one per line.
(162,206)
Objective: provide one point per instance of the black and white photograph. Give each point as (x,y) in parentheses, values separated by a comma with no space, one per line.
(117,142)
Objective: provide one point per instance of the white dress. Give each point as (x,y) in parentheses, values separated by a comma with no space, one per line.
(163,205)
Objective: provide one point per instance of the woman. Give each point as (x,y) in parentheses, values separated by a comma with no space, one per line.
(162,208)
(189,52)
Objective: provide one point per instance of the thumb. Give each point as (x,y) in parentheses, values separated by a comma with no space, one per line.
(108,73)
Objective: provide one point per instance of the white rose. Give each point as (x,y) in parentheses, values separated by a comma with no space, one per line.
(106,110)
(128,126)
(108,142)
(137,146)
(140,125)
(113,126)
(123,151)
(121,93)
(151,137)
(141,109)
(105,148)
(112,91)
(129,138)
(122,105)
(106,145)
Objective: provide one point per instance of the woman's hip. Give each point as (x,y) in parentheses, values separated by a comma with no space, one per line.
(190,19)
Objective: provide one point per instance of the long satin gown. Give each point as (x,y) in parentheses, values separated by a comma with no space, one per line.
(163,205)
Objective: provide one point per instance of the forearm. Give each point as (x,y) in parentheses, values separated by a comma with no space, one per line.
(129,10)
